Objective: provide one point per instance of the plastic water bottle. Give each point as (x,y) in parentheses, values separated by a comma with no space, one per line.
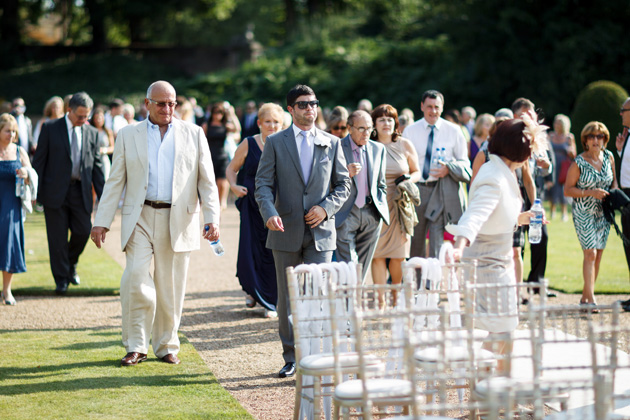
(19,186)
(435,159)
(217,246)
(535,223)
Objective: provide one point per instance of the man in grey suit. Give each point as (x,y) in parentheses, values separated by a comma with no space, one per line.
(360,219)
(442,194)
(306,169)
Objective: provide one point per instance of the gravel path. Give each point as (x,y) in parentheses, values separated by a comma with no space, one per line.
(239,346)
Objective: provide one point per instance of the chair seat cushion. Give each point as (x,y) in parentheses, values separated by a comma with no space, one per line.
(520,388)
(376,388)
(326,361)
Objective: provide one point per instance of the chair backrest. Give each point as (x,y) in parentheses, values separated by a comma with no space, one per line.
(309,285)
(568,361)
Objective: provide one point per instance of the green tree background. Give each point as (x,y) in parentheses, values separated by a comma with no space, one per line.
(483,53)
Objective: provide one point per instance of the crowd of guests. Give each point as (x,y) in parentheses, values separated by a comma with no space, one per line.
(386,187)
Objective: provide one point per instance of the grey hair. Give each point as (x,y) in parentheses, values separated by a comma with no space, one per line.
(81,99)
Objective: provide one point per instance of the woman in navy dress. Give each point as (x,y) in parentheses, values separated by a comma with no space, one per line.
(255,267)
(13,163)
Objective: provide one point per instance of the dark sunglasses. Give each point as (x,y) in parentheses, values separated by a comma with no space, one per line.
(595,136)
(305,104)
(340,127)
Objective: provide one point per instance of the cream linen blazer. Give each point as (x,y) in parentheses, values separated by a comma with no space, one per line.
(194,185)
(494,203)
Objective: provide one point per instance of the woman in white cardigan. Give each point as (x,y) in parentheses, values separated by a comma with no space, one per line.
(485,230)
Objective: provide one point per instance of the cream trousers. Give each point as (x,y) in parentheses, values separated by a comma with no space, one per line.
(152,305)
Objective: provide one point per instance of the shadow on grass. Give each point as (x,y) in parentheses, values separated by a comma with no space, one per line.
(105,383)
(72,291)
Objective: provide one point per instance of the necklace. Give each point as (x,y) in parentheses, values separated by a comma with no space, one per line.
(4,153)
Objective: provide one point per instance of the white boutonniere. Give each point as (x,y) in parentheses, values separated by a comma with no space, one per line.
(322,141)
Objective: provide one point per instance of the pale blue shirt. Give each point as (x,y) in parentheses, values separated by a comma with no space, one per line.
(79,132)
(298,138)
(161,163)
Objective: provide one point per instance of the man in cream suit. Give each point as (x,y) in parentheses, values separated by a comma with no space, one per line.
(306,169)
(359,220)
(165,166)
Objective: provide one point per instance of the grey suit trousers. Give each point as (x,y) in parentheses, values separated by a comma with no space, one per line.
(358,235)
(435,229)
(307,254)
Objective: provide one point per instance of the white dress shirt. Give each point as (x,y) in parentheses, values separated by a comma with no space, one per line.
(445,135)
(22,131)
(161,163)
(77,130)
(298,138)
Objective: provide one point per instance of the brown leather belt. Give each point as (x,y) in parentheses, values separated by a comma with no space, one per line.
(158,204)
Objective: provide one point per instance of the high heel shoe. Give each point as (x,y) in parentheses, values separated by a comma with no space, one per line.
(589,307)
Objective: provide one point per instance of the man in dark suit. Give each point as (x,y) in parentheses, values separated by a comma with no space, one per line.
(249,119)
(307,170)
(68,163)
(358,222)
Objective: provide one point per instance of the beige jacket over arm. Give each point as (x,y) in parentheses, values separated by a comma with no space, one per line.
(194,186)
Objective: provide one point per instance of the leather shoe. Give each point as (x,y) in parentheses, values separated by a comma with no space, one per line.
(61,289)
(625,302)
(172,359)
(133,358)
(287,370)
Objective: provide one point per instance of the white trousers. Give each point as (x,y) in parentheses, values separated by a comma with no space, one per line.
(152,305)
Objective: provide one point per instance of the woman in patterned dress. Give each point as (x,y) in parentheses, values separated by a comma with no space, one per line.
(589,180)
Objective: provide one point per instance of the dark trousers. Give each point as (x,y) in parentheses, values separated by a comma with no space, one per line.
(64,253)
(307,254)
(538,258)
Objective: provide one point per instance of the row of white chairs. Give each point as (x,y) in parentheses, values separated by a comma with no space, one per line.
(413,350)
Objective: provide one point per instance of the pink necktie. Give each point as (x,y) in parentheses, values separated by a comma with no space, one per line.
(361,178)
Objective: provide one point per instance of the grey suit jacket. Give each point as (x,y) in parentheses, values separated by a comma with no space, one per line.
(376,159)
(280,171)
(449,195)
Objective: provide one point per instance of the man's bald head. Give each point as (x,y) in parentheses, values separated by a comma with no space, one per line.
(160,86)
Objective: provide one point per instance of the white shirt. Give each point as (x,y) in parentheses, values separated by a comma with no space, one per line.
(118,122)
(77,130)
(161,163)
(445,135)
(22,131)
(624,171)
(298,138)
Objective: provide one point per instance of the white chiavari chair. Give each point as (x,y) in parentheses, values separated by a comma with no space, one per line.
(309,286)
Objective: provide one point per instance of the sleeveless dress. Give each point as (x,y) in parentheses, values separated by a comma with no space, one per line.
(216,140)
(11,225)
(255,266)
(393,243)
(588,215)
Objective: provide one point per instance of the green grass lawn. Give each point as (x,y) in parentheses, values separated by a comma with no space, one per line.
(564,261)
(100,274)
(72,374)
